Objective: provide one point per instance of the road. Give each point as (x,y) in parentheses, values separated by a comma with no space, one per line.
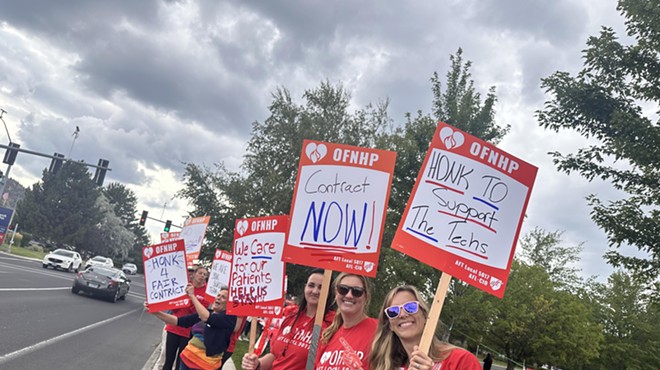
(45,326)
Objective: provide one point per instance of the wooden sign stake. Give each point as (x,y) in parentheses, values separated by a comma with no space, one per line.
(434,314)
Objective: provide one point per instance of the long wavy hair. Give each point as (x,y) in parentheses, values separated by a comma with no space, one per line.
(339,319)
(302,306)
(387,351)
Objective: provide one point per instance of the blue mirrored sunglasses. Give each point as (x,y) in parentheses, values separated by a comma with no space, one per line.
(393,312)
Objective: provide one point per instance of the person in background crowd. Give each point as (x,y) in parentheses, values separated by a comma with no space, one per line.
(400,326)
(211,331)
(346,343)
(488,361)
(177,337)
(290,345)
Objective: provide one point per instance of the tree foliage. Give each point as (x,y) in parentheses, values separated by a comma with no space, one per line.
(541,325)
(265,185)
(62,207)
(68,209)
(630,322)
(606,102)
(545,249)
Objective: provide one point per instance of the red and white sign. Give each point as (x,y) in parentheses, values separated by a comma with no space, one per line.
(192,234)
(219,274)
(165,276)
(339,207)
(466,209)
(256,281)
(169,236)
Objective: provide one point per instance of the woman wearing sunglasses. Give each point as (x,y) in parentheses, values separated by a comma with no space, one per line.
(400,326)
(290,346)
(345,344)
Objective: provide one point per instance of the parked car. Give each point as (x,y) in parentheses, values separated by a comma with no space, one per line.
(63,259)
(99,261)
(129,268)
(110,283)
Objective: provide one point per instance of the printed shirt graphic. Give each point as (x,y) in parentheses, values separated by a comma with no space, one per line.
(458,359)
(296,340)
(330,356)
(185,332)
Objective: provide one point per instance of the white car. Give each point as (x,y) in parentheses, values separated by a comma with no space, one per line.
(129,268)
(100,261)
(64,259)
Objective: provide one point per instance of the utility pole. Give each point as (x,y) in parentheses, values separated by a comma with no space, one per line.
(75,136)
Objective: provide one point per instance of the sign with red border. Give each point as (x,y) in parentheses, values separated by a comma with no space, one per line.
(339,207)
(218,274)
(256,280)
(165,276)
(193,232)
(169,236)
(466,209)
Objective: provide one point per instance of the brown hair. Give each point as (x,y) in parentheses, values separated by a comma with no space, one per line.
(339,320)
(387,351)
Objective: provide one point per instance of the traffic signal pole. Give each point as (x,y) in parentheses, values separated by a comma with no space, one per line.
(98,177)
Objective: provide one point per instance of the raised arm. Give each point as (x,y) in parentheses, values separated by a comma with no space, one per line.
(202,311)
(166,318)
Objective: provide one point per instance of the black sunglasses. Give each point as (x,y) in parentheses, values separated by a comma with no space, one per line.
(393,312)
(355,290)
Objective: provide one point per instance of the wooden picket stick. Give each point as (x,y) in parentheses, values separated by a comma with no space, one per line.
(434,313)
(318,320)
(253,334)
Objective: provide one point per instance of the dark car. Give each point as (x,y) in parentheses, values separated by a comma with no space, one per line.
(109,283)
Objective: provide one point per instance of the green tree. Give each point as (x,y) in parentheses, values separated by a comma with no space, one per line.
(605,103)
(62,207)
(460,105)
(124,205)
(265,185)
(539,325)
(630,322)
(545,249)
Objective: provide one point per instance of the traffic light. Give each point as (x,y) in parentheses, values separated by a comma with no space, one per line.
(10,153)
(143,219)
(56,163)
(168,224)
(99,175)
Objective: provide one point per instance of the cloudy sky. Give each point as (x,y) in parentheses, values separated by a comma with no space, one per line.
(152,83)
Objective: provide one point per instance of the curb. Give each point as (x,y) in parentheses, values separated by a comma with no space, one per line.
(21,257)
(151,362)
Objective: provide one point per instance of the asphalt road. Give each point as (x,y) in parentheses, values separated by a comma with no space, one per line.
(44,326)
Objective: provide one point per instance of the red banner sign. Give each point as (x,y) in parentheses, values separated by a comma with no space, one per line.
(339,207)
(256,281)
(165,275)
(466,209)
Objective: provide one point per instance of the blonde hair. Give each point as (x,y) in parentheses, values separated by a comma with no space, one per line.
(339,320)
(387,351)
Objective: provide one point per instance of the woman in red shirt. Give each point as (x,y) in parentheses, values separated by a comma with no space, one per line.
(400,326)
(290,346)
(345,344)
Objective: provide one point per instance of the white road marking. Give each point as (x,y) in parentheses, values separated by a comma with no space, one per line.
(24,351)
(26,289)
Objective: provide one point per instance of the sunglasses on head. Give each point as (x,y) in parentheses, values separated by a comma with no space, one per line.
(393,312)
(355,290)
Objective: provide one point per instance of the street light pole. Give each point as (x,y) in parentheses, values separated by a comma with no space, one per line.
(75,136)
(2,113)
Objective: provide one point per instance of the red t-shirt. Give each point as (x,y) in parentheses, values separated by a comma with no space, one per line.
(458,359)
(295,340)
(200,293)
(359,337)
